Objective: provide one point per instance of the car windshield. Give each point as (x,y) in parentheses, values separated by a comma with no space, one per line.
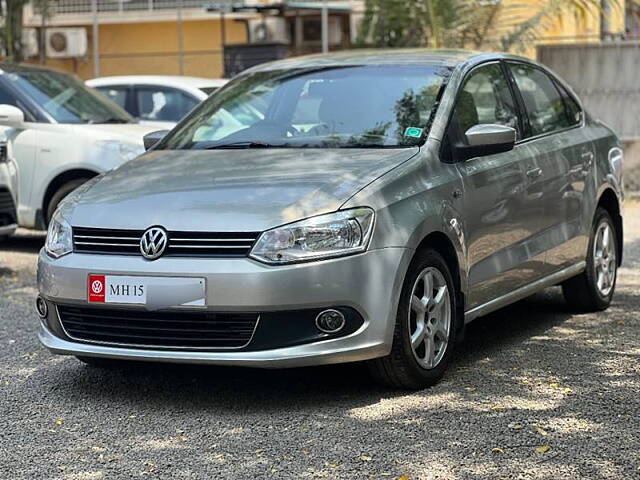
(67,99)
(328,107)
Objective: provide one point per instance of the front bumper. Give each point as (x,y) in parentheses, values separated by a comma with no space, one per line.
(369,282)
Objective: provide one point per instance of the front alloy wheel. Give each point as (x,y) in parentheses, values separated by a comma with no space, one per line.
(424,333)
(429,318)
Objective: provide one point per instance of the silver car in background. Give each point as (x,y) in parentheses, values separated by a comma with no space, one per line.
(378,203)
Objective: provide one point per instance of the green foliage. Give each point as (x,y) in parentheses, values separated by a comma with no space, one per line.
(478,24)
(11,28)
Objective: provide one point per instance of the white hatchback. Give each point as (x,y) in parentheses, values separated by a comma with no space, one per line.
(59,134)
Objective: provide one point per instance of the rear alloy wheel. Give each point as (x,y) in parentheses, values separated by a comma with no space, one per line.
(425,326)
(592,290)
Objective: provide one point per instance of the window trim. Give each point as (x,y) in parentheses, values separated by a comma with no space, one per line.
(555,83)
(446,143)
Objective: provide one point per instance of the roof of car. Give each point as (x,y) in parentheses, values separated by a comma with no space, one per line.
(21,67)
(166,80)
(413,56)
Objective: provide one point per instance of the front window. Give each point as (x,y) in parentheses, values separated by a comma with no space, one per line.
(330,107)
(66,98)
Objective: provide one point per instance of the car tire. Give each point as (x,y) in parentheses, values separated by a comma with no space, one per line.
(409,367)
(62,192)
(100,362)
(592,290)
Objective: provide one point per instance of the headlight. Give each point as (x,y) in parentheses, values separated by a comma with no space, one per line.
(59,241)
(324,236)
(126,151)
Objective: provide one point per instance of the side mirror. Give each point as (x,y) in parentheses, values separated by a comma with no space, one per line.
(150,139)
(11,116)
(486,139)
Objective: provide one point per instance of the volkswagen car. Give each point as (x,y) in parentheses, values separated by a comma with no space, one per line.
(379,203)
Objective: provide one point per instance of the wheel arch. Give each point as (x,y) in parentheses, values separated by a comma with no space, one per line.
(57,182)
(609,201)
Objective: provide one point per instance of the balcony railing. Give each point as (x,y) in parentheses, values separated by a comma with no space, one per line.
(86,6)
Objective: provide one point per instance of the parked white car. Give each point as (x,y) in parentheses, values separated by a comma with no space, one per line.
(59,134)
(8,217)
(162,100)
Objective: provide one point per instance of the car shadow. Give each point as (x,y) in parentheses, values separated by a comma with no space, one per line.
(262,390)
(24,241)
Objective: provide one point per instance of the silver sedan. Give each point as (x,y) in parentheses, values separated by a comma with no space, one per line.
(377,204)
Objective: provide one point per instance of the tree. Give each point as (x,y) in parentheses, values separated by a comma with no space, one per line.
(11,12)
(11,33)
(478,24)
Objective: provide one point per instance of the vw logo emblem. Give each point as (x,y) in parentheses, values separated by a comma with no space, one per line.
(153,242)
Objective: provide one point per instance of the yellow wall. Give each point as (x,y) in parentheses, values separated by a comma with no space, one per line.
(152,48)
(568,27)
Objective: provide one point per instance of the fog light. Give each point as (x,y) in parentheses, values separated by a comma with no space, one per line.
(41,307)
(330,321)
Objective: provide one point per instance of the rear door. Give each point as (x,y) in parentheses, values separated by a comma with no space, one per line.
(497,217)
(560,157)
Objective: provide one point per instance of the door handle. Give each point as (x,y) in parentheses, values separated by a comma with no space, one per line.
(534,172)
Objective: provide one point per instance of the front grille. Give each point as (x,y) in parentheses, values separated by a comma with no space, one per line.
(180,244)
(168,329)
(7,208)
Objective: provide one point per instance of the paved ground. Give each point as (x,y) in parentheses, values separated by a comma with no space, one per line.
(535,392)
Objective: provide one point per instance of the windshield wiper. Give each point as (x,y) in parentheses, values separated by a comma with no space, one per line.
(245,145)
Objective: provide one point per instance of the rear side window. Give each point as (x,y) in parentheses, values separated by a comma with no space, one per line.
(163,104)
(572,109)
(545,107)
(116,94)
(484,98)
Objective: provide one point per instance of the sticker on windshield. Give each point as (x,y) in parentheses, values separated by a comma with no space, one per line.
(413,132)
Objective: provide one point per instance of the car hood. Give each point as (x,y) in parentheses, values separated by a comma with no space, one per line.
(131,133)
(228,190)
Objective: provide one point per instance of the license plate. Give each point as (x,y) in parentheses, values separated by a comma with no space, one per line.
(158,292)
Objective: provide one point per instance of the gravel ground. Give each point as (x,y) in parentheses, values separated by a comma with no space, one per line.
(535,392)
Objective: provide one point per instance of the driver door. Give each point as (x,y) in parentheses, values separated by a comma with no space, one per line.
(497,218)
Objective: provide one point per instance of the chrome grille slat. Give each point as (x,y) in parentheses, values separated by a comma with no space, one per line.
(96,237)
(208,239)
(104,244)
(213,246)
(180,244)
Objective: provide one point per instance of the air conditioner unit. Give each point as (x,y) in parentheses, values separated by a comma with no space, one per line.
(66,42)
(269,29)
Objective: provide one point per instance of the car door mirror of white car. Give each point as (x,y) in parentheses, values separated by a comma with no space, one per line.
(486,139)
(150,139)
(11,116)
